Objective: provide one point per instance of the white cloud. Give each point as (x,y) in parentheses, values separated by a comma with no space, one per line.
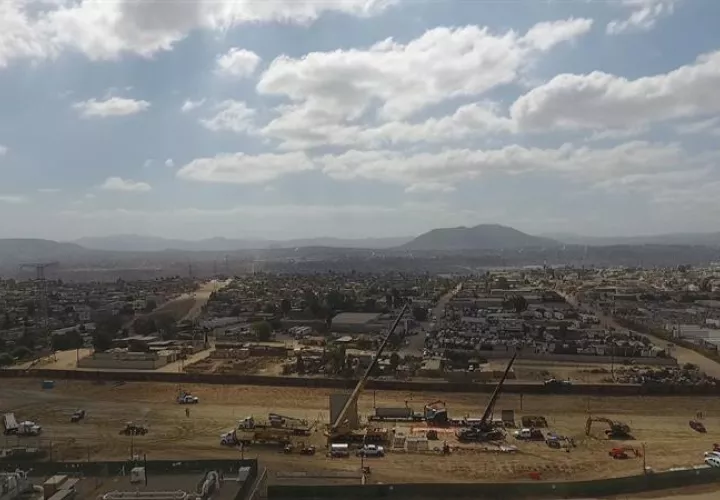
(240,168)
(148,163)
(3,150)
(470,120)
(169,163)
(237,63)
(232,116)
(344,85)
(643,17)
(105,30)
(442,170)
(119,184)
(710,126)
(13,199)
(600,100)
(114,106)
(189,105)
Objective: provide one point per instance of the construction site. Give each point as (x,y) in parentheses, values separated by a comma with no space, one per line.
(321,435)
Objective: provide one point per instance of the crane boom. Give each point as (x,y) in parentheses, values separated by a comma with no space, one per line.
(363,380)
(496,393)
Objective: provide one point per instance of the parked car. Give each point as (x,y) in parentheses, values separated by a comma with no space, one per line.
(712,461)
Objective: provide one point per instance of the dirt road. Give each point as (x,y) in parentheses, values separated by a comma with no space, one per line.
(682,354)
(659,423)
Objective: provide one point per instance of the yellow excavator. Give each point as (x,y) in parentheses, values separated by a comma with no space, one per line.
(617,430)
(341,431)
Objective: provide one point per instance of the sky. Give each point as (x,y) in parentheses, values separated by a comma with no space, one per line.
(357,118)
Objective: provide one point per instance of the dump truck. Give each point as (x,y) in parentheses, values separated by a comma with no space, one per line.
(397,414)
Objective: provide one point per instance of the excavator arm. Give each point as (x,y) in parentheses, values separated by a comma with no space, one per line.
(339,421)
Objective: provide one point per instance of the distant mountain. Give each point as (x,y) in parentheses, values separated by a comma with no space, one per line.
(27,250)
(702,239)
(137,243)
(482,237)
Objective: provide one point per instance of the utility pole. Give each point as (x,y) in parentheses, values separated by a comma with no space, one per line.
(41,295)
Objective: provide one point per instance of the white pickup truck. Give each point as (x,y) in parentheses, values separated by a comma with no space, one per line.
(370,450)
(187,399)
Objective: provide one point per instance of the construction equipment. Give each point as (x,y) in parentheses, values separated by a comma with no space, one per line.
(617,430)
(624,452)
(698,426)
(288,426)
(397,414)
(298,426)
(77,416)
(529,435)
(132,429)
(436,413)
(483,430)
(536,421)
(185,398)
(340,430)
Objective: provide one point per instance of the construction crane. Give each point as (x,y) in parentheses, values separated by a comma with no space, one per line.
(484,430)
(617,430)
(340,428)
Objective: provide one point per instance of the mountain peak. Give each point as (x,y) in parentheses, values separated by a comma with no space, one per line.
(480,237)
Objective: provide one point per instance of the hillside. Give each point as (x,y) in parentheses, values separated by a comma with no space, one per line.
(482,237)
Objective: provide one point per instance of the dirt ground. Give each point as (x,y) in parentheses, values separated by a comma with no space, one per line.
(661,424)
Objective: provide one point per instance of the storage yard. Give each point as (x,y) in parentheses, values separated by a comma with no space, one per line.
(659,425)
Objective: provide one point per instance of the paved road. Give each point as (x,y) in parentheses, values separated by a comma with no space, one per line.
(682,354)
(417,342)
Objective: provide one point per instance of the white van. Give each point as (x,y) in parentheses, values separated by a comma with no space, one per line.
(339,450)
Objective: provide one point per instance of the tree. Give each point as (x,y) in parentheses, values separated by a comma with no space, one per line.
(6,359)
(420,313)
(7,321)
(502,283)
(236,310)
(285,307)
(394,361)
(300,364)
(144,326)
(21,352)
(262,330)
(270,308)
(370,305)
(102,341)
(150,305)
(166,325)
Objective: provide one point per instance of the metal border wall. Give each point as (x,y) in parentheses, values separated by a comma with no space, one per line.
(501,491)
(334,383)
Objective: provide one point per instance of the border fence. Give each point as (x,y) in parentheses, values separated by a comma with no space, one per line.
(386,385)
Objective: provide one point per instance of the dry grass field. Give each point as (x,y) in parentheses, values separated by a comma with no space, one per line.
(660,424)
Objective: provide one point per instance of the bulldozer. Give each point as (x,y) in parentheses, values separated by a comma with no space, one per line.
(617,430)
